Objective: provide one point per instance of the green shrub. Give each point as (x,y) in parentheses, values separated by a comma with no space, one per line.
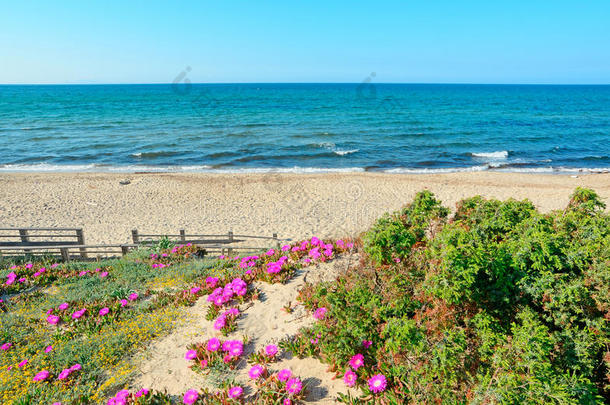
(500,304)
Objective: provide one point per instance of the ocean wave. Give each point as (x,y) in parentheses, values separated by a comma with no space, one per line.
(503,154)
(51,168)
(345,152)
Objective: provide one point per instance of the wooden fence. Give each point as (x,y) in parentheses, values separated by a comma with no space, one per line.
(69,243)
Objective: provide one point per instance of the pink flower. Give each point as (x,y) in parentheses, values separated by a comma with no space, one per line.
(367,343)
(190,397)
(195,290)
(256,371)
(211,282)
(220,323)
(64,306)
(191,355)
(320,313)
(294,386)
(377,383)
(213,345)
(133,296)
(103,274)
(82,273)
(203,363)
(141,393)
(48,349)
(53,319)
(79,313)
(350,378)
(287,401)
(271,350)
(356,361)
(123,302)
(235,392)
(122,394)
(29,266)
(104,311)
(270,252)
(23,363)
(41,376)
(64,374)
(76,367)
(284,375)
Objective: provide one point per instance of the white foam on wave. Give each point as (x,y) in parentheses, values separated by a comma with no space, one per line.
(407,170)
(503,154)
(97,168)
(345,152)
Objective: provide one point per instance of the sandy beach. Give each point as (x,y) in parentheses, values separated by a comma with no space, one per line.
(291,205)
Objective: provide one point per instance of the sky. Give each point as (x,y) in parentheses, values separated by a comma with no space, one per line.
(235,41)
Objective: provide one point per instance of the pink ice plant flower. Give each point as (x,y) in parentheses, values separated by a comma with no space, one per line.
(103,274)
(190,397)
(76,367)
(64,306)
(294,386)
(284,375)
(53,319)
(213,345)
(41,376)
(350,378)
(133,296)
(287,401)
(235,392)
(104,311)
(6,346)
(23,363)
(270,350)
(78,314)
(123,302)
(141,393)
(256,371)
(377,383)
(356,361)
(48,349)
(367,343)
(191,355)
(64,374)
(320,313)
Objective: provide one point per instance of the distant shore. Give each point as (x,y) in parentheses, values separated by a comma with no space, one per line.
(292,205)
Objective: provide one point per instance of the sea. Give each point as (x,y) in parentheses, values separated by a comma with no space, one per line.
(394,128)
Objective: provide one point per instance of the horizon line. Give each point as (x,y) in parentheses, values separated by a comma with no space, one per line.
(354,83)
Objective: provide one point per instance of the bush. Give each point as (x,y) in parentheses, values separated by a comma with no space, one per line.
(500,304)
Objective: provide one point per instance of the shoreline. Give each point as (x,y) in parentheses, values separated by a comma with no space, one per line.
(293,205)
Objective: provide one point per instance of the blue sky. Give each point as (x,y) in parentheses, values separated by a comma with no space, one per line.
(305,41)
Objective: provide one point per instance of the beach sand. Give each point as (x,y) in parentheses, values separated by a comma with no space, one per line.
(292,205)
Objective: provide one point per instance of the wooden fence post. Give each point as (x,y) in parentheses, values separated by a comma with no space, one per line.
(277,242)
(65,254)
(24,238)
(81,241)
(229,250)
(124,250)
(182,235)
(135,236)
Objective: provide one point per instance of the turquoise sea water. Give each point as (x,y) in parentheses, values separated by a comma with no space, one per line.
(305,127)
